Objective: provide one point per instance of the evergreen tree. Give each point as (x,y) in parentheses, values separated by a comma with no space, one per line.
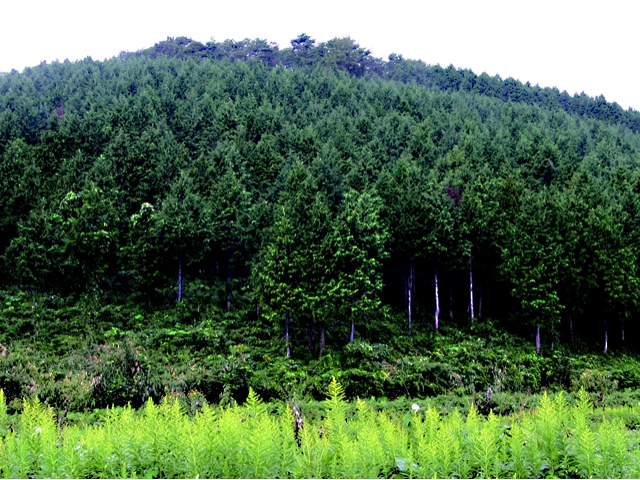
(533,258)
(359,242)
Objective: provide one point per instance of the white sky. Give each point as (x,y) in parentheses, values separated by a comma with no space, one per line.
(578,46)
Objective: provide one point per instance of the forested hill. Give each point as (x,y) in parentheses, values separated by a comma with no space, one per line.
(346,55)
(319,193)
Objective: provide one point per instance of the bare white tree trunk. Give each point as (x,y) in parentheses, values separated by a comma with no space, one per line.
(606,336)
(180,277)
(538,339)
(471,290)
(409,294)
(437,298)
(229,287)
(286,332)
(352,334)
(450,299)
(623,331)
(322,340)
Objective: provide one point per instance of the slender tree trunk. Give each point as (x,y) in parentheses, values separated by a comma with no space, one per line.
(229,275)
(450,298)
(180,277)
(471,290)
(405,278)
(409,295)
(322,340)
(623,331)
(571,326)
(351,335)
(538,339)
(286,332)
(437,297)
(606,335)
(409,312)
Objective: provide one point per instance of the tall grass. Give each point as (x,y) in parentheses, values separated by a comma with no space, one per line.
(558,439)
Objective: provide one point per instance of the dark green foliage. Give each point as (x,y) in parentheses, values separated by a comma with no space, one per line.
(248,216)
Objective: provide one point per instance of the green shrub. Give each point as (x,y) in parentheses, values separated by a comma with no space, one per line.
(561,438)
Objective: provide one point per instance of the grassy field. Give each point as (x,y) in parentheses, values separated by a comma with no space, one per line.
(558,438)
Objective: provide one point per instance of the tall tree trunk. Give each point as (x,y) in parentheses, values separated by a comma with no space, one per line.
(364,319)
(410,293)
(352,333)
(538,339)
(623,331)
(229,275)
(322,340)
(606,335)
(571,326)
(286,332)
(471,290)
(437,297)
(405,278)
(450,297)
(180,277)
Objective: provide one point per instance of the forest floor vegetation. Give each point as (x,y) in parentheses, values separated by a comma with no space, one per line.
(79,357)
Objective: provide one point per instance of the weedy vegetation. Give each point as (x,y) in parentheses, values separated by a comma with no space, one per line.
(557,439)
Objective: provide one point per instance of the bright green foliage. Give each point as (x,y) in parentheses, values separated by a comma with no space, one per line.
(560,440)
(550,433)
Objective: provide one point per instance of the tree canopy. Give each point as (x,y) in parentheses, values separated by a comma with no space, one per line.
(321,183)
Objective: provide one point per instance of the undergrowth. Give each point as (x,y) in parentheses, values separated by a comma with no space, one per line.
(560,438)
(81,355)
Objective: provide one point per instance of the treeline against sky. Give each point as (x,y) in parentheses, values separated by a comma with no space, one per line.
(346,55)
(316,187)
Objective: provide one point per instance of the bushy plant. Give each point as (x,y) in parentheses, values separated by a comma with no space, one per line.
(562,438)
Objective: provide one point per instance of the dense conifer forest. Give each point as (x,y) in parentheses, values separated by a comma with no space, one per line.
(213,217)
